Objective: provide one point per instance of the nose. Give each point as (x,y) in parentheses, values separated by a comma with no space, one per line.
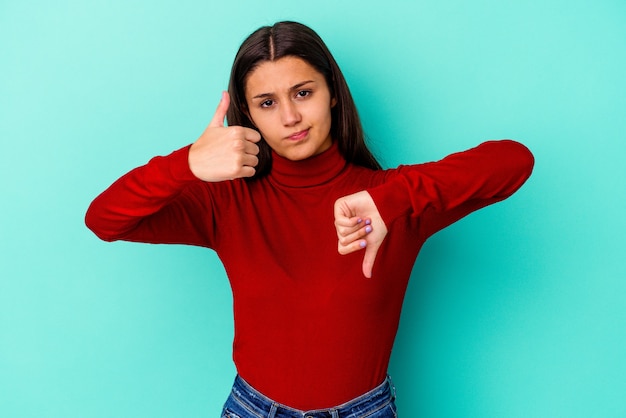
(289,113)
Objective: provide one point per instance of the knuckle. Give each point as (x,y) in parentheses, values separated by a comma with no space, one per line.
(344,241)
(235,167)
(237,161)
(237,131)
(238,146)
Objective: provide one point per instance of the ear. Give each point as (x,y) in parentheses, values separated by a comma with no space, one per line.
(333,102)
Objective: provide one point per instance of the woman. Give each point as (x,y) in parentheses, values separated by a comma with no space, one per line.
(318,242)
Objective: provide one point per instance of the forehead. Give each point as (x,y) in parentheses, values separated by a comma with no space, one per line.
(279,75)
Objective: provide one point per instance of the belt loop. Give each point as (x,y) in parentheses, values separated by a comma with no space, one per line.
(334,413)
(272,412)
(392,387)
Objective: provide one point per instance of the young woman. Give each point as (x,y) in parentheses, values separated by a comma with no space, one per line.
(317,240)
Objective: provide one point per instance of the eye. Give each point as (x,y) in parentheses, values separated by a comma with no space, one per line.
(267,103)
(303,93)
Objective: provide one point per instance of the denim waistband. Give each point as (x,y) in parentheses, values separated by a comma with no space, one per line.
(259,405)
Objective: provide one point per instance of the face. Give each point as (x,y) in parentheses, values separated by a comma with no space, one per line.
(289,102)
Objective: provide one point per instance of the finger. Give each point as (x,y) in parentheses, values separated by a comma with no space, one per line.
(368,260)
(352,247)
(252,135)
(354,235)
(251,148)
(250,160)
(247,171)
(367,269)
(343,213)
(220,112)
(349,222)
(352,225)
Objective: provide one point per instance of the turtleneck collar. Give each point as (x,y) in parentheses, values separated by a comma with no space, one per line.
(313,171)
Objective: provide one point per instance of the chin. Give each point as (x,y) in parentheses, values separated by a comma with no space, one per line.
(297,154)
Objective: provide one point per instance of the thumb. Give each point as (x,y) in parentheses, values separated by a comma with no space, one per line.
(368,259)
(220,112)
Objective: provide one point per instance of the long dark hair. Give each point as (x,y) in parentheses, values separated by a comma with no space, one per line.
(270,43)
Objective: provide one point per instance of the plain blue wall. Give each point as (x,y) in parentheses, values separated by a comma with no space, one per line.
(516,311)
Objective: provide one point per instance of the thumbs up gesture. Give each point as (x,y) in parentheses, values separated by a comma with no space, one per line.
(224,153)
(359,226)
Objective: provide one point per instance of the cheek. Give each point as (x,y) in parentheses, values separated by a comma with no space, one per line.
(259,120)
(325,117)
(265,126)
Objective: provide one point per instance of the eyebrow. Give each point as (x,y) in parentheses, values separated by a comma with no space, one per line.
(292,88)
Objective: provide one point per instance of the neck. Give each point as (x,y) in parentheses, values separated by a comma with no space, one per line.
(312,171)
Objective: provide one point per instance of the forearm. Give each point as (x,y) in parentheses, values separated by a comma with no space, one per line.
(460,183)
(120,211)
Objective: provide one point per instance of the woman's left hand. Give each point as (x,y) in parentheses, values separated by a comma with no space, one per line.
(359,226)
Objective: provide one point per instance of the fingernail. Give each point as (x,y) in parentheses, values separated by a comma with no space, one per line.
(368,229)
(362,244)
(359,220)
(367,222)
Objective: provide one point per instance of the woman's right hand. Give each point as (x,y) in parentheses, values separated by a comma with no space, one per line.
(224,152)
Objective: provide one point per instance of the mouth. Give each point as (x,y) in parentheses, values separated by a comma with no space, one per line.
(298,135)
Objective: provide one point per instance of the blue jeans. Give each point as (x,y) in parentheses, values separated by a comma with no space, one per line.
(246,402)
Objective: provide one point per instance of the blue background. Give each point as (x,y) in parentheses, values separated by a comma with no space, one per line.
(516,311)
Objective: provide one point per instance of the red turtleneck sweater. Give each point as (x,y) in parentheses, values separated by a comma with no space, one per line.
(310,331)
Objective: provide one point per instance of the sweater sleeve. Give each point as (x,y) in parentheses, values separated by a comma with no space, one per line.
(444,191)
(160,202)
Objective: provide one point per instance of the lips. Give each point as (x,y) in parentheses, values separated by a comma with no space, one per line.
(298,135)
